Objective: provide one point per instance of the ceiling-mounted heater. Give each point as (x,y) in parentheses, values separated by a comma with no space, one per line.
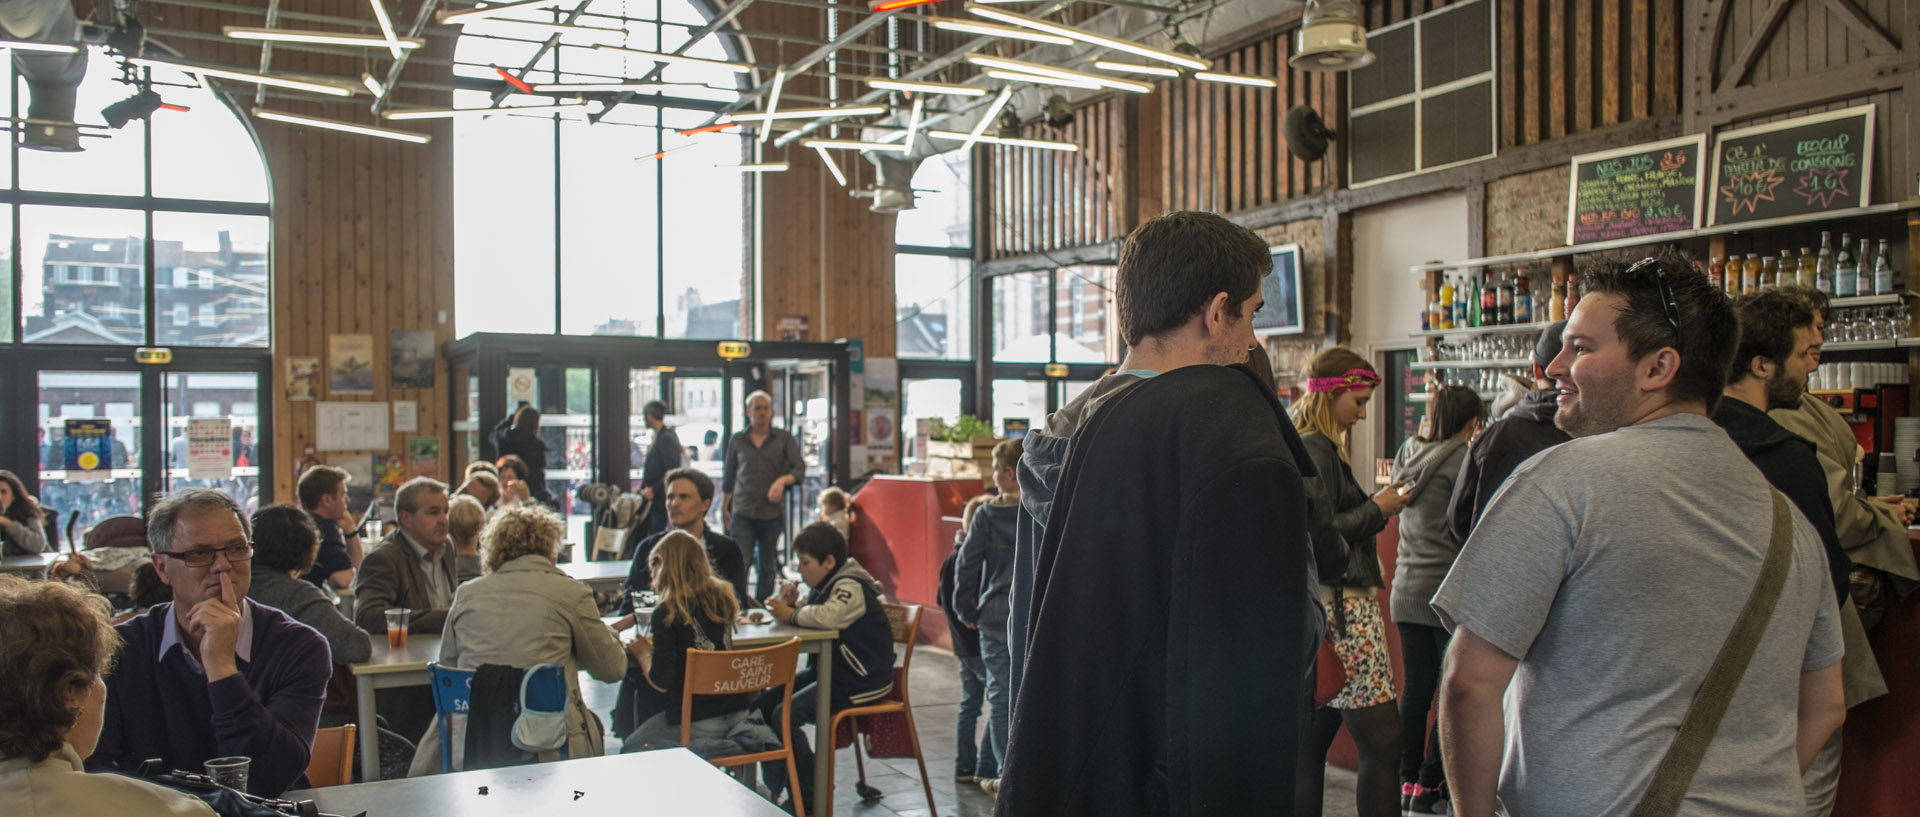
(1332,37)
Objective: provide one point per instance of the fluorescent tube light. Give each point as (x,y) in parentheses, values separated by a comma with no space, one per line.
(241,75)
(469,15)
(810,113)
(1236,79)
(374,85)
(1035,79)
(670,59)
(993,113)
(773,102)
(842,144)
(832,166)
(1128,46)
(611,87)
(347,127)
(913,120)
(1023,67)
(290,35)
(991,30)
(1136,68)
(48,48)
(449,113)
(386,27)
(1042,144)
(757,167)
(925,87)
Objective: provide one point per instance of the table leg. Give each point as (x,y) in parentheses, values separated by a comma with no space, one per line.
(823,740)
(369,730)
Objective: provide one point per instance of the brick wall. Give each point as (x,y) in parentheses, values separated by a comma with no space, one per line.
(1290,353)
(1527,212)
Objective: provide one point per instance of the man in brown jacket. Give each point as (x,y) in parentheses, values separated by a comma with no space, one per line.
(412,567)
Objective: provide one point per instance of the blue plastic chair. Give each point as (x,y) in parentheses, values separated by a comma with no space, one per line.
(546,691)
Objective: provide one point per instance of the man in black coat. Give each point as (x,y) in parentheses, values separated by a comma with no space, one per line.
(1770,368)
(1166,642)
(665,454)
(1527,430)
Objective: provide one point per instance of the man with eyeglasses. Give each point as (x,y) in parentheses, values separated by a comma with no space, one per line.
(212,674)
(1604,578)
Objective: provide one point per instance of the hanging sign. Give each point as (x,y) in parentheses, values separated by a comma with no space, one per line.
(209,448)
(1635,191)
(1795,167)
(89,449)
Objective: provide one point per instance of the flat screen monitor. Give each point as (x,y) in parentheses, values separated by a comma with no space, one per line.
(1282,314)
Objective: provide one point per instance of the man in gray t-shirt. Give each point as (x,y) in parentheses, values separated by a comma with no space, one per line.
(1596,591)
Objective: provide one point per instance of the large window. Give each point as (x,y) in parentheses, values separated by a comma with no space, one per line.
(620,226)
(1055,316)
(147,219)
(933,266)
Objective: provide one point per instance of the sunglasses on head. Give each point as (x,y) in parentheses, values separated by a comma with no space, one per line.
(1667,304)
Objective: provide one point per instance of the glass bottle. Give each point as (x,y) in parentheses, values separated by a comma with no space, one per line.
(1557,298)
(1804,275)
(1882,271)
(1753,275)
(1785,270)
(1769,271)
(1846,270)
(1504,300)
(1475,315)
(1460,304)
(1573,290)
(1863,272)
(1446,303)
(1823,265)
(1733,276)
(1523,299)
(1717,272)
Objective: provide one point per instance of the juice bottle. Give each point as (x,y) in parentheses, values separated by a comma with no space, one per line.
(1717,272)
(1446,303)
(1505,300)
(1523,299)
(1557,298)
(1754,276)
(1804,275)
(1573,290)
(1785,271)
(1733,275)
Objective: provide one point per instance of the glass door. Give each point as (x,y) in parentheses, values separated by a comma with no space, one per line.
(569,423)
(102,408)
(932,398)
(197,404)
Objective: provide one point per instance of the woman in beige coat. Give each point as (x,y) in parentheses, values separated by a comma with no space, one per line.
(523,612)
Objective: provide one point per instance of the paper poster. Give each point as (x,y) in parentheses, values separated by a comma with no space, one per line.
(89,449)
(423,457)
(303,377)
(389,473)
(520,383)
(410,359)
(350,364)
(406,415)
(351,426)
(209,448)
(791,327)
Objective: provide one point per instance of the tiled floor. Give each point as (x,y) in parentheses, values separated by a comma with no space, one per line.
(935,683)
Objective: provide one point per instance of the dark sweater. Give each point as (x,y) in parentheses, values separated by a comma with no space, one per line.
(671,640)
(722,553)
(528,447)
(332,557)
(1792,466)
(1526,430)
(966,641)
(166,709)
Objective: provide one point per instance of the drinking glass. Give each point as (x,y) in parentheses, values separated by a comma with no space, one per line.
(229,771)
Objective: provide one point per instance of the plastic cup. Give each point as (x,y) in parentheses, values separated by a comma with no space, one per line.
(229,771)
(397,626)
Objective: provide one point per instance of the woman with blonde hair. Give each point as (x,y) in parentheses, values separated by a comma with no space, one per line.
(523,612)
(55,648)
(465,517)
(695,611)
(1339,385)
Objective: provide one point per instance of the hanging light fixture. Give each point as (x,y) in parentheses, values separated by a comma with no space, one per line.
(1003,32)
(557,105)
(1023,21)
(1007,141)
(845,144)
(756,167)
(1136,68)
(810,113)
(341,88)
(469,15)
(1332,37)
(832,166)
(1236,79)
(1035,79)
(1036,69)
(925,87)
(345,127)
(292,35)
(610,87)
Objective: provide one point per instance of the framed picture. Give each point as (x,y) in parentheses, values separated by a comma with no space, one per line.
(1285,310)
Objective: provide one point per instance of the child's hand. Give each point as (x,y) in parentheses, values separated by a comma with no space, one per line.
(781,610)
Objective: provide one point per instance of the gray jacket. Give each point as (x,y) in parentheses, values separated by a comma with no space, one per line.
(390,576)
(529,612)
(1427,544)
(309,605)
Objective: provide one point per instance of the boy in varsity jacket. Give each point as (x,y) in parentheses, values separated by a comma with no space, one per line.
(843,597)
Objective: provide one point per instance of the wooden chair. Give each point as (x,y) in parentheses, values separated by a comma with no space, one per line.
(332,760)
(732,672)
(905,619)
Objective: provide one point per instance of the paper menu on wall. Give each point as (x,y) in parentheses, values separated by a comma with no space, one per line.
(209,448)
(351,426)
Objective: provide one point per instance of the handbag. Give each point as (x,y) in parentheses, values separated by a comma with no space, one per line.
(1676,770)
(1329,673)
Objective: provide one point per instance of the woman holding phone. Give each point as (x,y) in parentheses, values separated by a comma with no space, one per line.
(1339,385)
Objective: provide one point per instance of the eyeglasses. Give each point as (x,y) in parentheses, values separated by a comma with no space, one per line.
(202,557)
(1666,299)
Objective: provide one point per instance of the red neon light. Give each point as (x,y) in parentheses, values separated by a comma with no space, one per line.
(890,5)
(513,80)
(168,106)
(710,128)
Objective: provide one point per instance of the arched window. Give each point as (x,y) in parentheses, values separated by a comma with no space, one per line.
(155,234)
(616,226)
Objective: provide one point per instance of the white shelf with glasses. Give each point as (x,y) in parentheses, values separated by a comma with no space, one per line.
(1866,345)
(1422,365)
(1889,299)
(1473,331)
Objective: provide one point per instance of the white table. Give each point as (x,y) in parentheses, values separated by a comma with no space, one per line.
(668,781)
(603,577)
(386,669)
(31,563)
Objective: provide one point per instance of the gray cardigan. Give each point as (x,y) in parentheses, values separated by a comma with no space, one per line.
(22,539)
(1427,545)
(309,605)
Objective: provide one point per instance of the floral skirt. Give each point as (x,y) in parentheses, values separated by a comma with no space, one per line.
(1362,648)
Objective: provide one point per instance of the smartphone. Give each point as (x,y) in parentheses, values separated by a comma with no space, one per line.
(1406,489)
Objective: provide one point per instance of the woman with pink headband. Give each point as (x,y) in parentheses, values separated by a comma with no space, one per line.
(1339,384)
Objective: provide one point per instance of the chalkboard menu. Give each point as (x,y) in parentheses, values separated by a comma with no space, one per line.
(1793,167)
(1640,190)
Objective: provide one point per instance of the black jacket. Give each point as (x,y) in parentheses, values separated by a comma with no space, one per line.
(528,447)
(1526,430)
(722,553)
(1355,517)
(664,455)
(966,641)
(1166,641)
(1792,466)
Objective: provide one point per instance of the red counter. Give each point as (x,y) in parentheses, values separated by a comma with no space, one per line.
(1881,741)
(903,529)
